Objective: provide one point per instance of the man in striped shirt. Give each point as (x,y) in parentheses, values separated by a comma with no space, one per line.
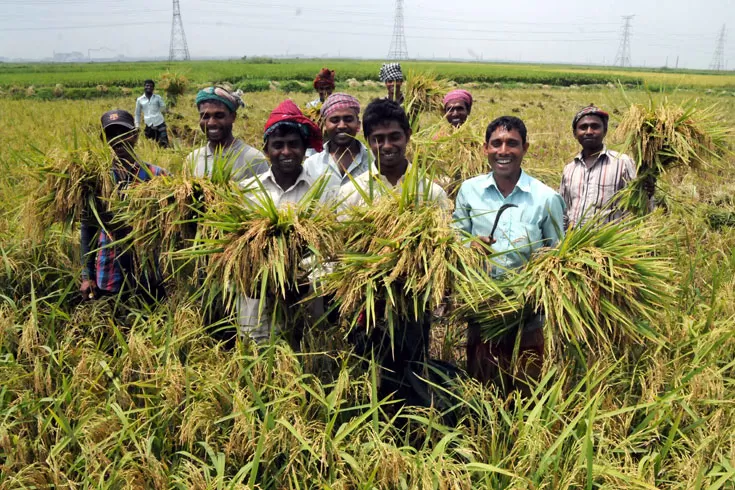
(590,181)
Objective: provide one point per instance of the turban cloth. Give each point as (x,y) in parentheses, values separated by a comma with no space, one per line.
(459,96)
(391,72)
(591,111)
(325,79)
(339,101)
(230,100)
(287,114)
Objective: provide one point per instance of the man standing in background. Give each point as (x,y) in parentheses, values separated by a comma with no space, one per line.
(324,85)
(152,107)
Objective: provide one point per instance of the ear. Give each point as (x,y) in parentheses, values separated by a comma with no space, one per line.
(525,147)
(486,147)
(408,134)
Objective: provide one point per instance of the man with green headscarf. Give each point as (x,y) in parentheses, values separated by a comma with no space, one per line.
(223,155)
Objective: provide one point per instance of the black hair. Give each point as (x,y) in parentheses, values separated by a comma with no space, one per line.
(150,81)
(509,123)
(382,111)
(283,130)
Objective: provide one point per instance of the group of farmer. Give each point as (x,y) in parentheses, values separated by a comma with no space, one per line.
(511,214)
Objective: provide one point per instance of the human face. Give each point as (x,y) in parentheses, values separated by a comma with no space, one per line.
(590,132)
(216,121)
(122,141)
(388,143)
(286,153)
(505,150)
(324,92)
(148,89)
(394,88)
(342,127)
(456,113)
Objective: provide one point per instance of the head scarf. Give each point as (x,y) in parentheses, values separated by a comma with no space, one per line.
(591,110)
(339,101)
(325,79)
(391,72)
(219,94)
(288,114)
(459,95)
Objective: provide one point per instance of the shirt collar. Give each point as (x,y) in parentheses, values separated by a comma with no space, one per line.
(524,182)
(303,177)
(580,159)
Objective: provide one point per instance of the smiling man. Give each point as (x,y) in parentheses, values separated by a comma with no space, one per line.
(344,156)
(525,215)
(287,135)
(590,181)
(457,107)
(387,130)
(224,154)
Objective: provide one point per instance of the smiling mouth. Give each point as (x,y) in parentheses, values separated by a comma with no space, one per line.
(503,161)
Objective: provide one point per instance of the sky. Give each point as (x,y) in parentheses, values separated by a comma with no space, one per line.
(569,31)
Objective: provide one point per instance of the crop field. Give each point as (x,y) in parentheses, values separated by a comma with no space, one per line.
(103,395)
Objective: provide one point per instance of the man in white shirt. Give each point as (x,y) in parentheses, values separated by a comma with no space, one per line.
(152,107)
(224,156)
(388,132)
(344,156)
(288,133)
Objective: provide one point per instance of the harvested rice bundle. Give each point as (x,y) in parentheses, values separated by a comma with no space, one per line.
(163,214)
(314,113)
(660,137)
(455,154)
(423,92)
(71,180)
(400,258)
(263,246)
(600,288)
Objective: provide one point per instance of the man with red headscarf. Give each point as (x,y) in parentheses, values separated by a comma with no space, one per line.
(457,106)
(287,135)
(324,85)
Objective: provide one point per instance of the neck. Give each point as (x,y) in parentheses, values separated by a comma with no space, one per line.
(283,179)
(506,184)
(394,174)
(592,152)
(345,155)
(224,144)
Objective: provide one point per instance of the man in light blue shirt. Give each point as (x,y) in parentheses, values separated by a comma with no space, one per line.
(152,107)
(514,215)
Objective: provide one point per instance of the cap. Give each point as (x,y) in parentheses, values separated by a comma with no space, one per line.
(118,117)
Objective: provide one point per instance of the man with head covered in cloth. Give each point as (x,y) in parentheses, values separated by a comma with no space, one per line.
(392,76)
(457,106)
(223,155)
(324,85)
(592,179)
(344,156)
(287,135)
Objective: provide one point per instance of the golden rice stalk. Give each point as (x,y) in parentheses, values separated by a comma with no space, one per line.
(163,214)
(455,154)
(400,259)
(314,113)
(262,248)
(602,287)
(662,136)
(71,180)
(423,92)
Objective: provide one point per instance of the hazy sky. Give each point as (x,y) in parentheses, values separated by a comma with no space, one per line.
(572,31)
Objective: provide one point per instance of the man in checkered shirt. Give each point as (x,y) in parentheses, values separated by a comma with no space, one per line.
(106,269)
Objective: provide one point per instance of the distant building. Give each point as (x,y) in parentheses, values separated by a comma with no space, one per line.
(68,57)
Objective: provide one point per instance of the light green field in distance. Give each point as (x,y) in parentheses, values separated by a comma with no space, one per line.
(236,71)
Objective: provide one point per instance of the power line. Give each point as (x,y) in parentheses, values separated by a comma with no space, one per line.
(622,58)
(398,49)
(179,50)
(718,59)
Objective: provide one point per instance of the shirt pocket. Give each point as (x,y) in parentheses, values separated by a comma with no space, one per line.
(520,235)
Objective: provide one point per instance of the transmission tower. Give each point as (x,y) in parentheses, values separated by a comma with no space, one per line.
(398,50)
(623,56)
(179,51)
(718,59)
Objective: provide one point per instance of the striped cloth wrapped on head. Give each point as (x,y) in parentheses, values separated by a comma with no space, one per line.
(231,100)
(339,101)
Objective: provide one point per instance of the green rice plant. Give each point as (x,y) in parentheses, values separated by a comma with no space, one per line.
(662,136)
(174,85)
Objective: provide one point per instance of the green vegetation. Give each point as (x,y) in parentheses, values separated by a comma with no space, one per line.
(103,395)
